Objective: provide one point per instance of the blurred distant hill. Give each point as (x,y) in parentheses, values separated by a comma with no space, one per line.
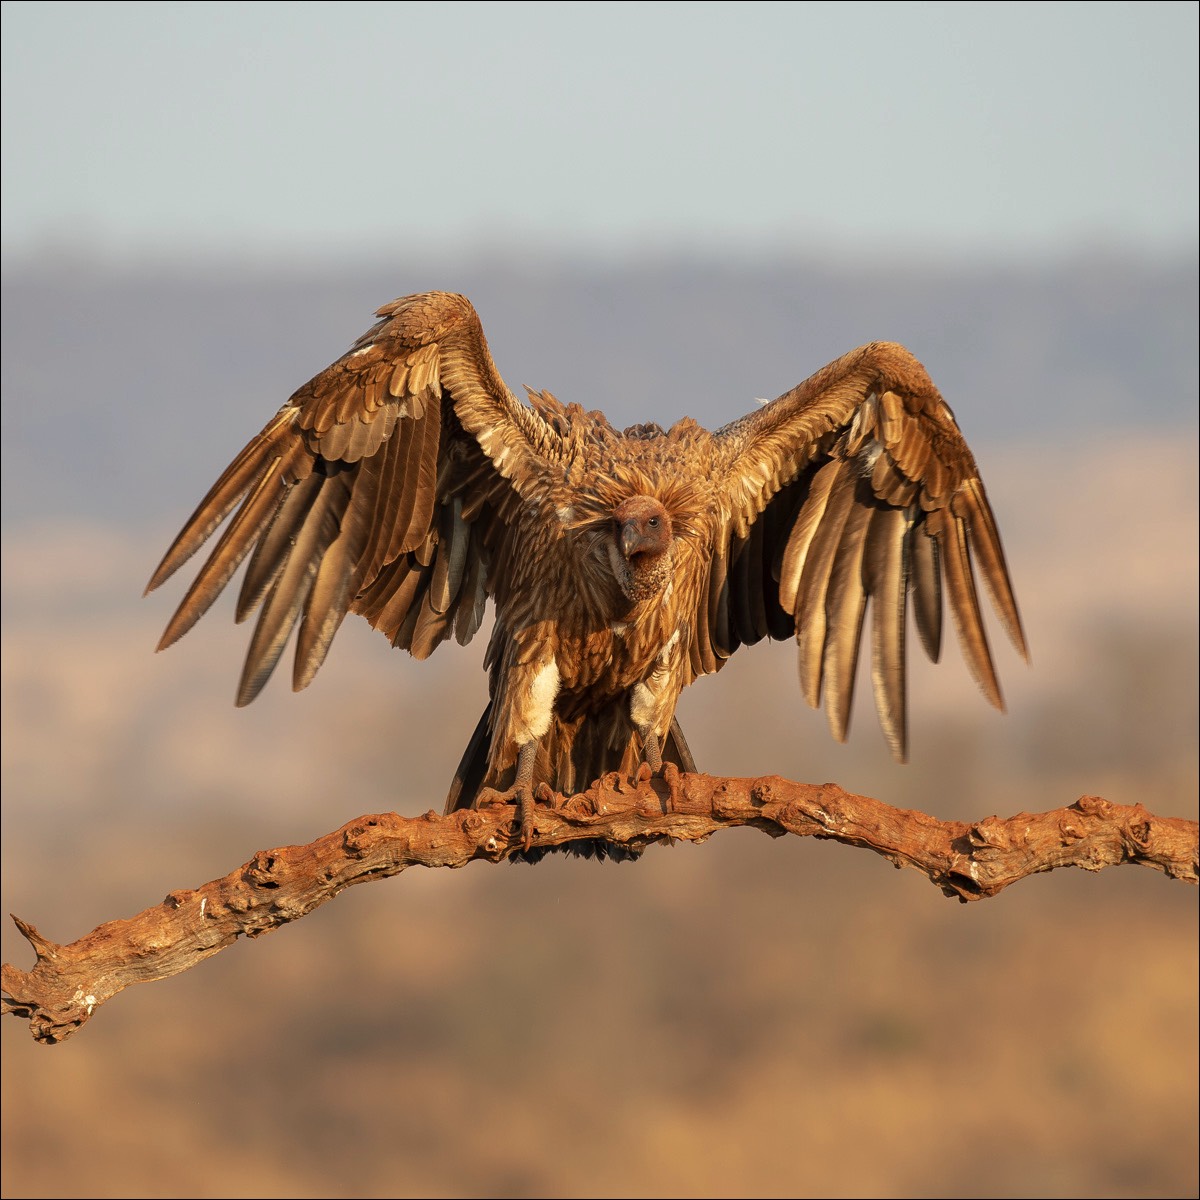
(126,386)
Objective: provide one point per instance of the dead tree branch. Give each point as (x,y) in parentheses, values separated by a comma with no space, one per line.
(69,983)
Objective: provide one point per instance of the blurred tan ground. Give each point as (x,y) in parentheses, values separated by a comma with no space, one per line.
(747,1017)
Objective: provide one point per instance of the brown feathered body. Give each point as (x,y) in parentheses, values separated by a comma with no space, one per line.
(407,484)
(563,610)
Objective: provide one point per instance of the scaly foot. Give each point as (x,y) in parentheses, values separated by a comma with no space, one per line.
(669,773)
(523,796)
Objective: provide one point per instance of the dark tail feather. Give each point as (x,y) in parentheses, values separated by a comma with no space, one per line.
(469,777)
(677,750)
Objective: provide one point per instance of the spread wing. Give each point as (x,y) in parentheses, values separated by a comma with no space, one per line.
(856,485)
(381,487)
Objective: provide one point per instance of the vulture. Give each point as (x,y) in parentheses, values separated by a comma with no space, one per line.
(407,484)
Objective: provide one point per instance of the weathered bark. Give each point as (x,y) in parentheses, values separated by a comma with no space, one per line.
(969,861)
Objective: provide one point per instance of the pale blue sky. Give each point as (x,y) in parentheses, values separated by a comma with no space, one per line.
(614,129)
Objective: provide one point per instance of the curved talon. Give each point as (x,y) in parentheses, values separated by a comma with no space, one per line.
(673,778)
(520,795)
(670,774)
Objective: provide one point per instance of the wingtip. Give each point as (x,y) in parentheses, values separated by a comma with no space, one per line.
(161,574)
(1022,648)
(253,680)
(897,740)
(838,729)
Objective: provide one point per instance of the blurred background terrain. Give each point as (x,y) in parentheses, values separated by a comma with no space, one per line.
(746,1017)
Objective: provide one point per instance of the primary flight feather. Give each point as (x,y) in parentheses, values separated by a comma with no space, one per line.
(406,483)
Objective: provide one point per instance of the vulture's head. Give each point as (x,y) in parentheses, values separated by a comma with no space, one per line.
(640,551)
